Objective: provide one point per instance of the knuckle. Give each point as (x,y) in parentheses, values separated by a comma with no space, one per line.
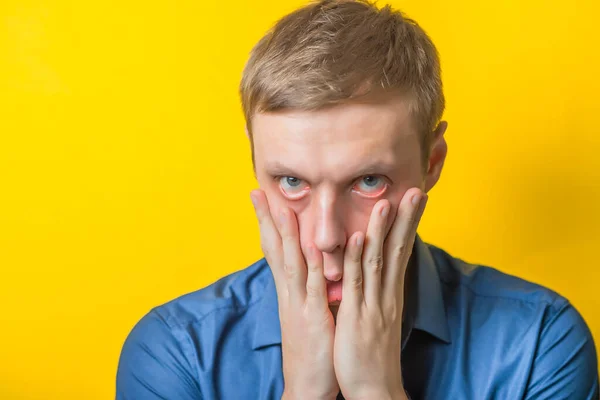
(312,291)
(286,234)
(376,263)
(356,282)
(393,313)
(399,249)
(313,267)
(290,271)
(287,268)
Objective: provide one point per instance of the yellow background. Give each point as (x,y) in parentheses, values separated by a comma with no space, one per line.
(125,171)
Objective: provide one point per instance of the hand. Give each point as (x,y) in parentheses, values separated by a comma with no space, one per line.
(368,333)
(307,325)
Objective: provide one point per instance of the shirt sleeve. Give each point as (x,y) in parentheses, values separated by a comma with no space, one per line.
(565,365)
(155,363)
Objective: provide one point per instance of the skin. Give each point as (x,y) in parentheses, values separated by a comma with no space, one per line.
(315,200)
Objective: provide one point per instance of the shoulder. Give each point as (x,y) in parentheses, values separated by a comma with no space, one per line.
(486,282)
(230,295)
(517,316)
(170,345)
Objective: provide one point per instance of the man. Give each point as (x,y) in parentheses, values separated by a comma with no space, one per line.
(343,105)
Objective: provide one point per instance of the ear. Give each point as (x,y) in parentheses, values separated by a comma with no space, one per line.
(437,156)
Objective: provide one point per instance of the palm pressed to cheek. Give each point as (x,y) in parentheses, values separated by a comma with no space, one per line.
(329,221)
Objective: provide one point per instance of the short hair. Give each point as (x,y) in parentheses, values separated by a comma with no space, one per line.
(330,51)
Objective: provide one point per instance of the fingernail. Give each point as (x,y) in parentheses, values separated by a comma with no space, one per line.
(385,210)
(253,199)
(359,240)
(416,199)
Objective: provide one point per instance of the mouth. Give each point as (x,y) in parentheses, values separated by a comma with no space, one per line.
(334,293)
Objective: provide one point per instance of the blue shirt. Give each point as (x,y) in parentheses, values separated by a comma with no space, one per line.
(470,332)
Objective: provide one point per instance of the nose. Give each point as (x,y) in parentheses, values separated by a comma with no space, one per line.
(330,238)
(329,233)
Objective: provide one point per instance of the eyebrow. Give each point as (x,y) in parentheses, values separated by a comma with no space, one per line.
(276,168)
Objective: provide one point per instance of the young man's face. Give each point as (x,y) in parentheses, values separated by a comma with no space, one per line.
(331,166)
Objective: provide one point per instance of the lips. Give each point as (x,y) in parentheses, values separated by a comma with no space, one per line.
(334,292)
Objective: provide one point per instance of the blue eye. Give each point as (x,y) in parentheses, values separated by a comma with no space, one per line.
(372,183)
(292,186)
(290,180)
(371,180)
(368,186)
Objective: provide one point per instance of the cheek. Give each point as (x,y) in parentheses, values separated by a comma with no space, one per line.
(277,201)
(358,218)
(304,220)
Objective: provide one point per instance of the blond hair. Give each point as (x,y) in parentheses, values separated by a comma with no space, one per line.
(330,51)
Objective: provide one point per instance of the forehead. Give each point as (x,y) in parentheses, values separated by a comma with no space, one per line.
(333,142)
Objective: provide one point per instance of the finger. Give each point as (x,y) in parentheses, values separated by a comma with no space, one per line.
(352,284)
(293,259)
(400,241)
(316,288)
(270,240)
(372,259)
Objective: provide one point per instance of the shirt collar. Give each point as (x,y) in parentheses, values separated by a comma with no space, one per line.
(430,310)
(426,310)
